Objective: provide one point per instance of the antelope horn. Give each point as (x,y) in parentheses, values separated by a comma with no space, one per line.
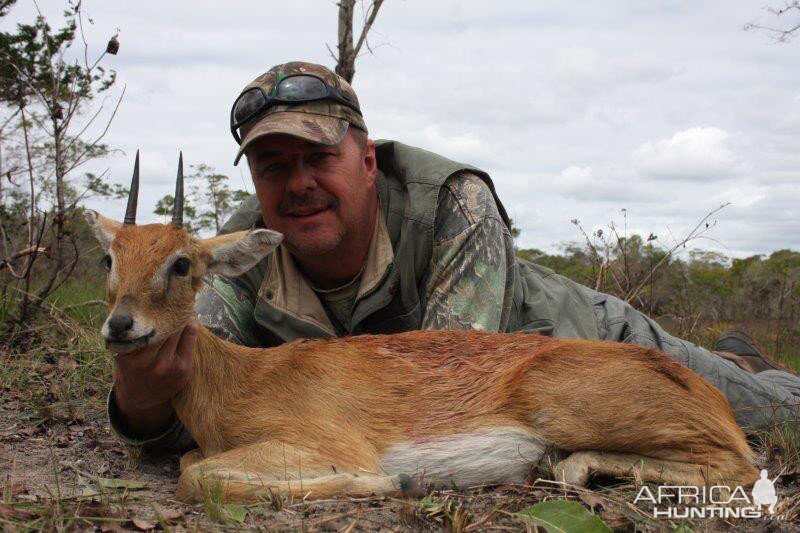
(133,195)
(177,209)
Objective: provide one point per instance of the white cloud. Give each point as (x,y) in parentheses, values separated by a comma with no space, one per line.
(576,175)
(695,153)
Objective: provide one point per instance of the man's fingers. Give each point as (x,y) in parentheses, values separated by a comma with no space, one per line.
(141,359)
(167,350)
(188,339)
(186,344)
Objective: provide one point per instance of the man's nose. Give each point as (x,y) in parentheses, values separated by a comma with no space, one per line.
(119,325)
(301,178)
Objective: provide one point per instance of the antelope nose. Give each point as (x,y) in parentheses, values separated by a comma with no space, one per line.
(119,325)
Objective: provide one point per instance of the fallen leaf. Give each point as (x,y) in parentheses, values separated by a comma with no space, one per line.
(144,525)
(131,484)
(560,516)
(28,430)
(44,368)
(237,513)
(67,363)
(170,515)
(88,492)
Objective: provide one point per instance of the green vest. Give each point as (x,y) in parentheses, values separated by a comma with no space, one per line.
(408,182)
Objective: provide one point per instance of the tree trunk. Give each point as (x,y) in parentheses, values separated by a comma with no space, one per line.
(346,62)
(346,65)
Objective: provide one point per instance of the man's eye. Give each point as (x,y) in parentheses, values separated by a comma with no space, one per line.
(272,167)
(181,266)
(318,157)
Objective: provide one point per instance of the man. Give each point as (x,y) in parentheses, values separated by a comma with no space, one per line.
(380,237)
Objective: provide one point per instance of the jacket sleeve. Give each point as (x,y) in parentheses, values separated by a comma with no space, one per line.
(468,283)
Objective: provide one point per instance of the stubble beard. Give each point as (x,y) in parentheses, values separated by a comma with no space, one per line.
(313,245)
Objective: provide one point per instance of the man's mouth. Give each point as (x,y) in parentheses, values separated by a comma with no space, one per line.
(126,345)
(307,212)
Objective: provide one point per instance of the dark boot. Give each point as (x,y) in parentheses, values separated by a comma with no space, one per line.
(743,347)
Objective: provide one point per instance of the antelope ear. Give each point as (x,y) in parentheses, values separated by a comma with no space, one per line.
(234,254)
(104,228)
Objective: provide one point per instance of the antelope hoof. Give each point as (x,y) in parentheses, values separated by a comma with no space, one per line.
(573,471)
(191,457)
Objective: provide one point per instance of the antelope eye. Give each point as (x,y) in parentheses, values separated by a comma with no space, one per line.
(107,262)
(181,266)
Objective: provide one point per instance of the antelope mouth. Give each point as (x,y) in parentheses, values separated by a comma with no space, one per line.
(127,345)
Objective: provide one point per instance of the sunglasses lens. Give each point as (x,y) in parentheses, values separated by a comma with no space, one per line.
(248,103)
(301,88)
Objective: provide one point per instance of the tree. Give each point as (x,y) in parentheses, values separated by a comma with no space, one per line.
(46,100)
(347,52)
(211,190)
(164,207)
(788,30)
(209,201)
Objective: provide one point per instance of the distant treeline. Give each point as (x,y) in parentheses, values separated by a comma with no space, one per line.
(703,287)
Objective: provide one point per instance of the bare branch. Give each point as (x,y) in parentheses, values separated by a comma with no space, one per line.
(8,261)
(78,160)
(780,35)
(330,51)
(695,233)
(372,15)
(9,119)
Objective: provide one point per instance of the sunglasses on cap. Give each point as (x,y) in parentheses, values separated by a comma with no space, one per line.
(294,89)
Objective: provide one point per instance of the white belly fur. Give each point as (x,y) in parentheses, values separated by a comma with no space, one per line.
(489,456)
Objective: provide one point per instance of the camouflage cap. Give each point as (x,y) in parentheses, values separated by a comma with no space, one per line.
(321,121)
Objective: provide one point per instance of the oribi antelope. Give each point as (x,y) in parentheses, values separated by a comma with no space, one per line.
(364,415)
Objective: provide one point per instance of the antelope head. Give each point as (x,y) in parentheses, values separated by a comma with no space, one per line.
(155,270)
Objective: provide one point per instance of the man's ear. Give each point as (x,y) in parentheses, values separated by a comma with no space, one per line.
(371,162)
(236,253)
(104,228)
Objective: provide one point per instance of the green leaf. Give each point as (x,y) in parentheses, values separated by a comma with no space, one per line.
(130,484)
(237,513)
(559,516)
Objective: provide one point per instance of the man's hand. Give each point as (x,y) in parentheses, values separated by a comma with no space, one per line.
(146,380)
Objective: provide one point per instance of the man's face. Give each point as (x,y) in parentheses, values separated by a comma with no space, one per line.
(316,195)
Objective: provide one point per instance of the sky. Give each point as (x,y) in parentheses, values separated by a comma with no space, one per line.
(578,110)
